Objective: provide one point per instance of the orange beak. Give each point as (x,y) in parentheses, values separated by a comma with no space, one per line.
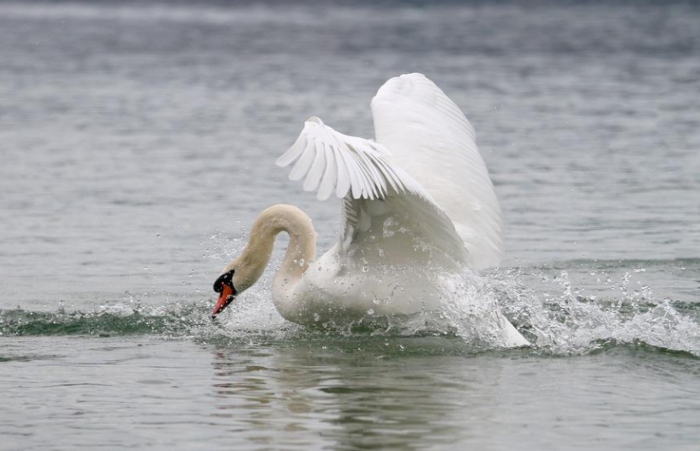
(225,298)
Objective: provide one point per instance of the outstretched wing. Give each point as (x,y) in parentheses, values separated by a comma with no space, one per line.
(379,198)
(430,138)
(333,162)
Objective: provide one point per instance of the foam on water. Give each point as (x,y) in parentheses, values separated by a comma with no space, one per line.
(565,321)
(557,321)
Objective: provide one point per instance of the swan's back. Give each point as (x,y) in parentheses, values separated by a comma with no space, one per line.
(431,139)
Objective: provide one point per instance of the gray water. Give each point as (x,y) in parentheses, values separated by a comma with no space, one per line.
(137,144)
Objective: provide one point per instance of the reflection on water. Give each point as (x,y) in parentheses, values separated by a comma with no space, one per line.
(340,393)
(351,400)
(303,396)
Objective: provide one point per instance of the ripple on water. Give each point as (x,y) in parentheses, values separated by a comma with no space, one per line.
(561,320)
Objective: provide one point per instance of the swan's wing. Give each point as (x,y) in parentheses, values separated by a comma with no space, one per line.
(375,192)
(431,139)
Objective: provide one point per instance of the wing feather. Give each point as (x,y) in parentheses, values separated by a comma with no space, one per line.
(430,138)
(344,180)
(369,168)
(331,161)
(330,176)
(372,187)
(294,152)
(303,164)
(425,167)
(356,180)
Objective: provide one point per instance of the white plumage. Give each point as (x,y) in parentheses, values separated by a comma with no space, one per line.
(426,149)
(417,203)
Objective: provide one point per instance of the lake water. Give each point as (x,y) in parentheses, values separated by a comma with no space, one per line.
(137,144)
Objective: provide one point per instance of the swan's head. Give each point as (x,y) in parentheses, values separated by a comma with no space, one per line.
(226,288)
(238,276)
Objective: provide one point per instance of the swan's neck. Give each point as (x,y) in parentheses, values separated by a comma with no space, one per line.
(300,253)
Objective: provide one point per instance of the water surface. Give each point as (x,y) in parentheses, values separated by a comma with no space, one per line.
(138,142)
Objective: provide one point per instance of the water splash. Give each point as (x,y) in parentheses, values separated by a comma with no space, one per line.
(564,320)
(556,315)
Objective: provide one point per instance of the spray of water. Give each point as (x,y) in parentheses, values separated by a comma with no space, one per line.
(555,315)
(561,319)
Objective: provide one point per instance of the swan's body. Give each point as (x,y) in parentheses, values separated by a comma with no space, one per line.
(417,202)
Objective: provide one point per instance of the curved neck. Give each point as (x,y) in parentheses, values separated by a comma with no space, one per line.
(302,242)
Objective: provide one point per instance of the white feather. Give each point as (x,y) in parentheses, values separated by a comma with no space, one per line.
(417,203)
(431,139)
(424,163)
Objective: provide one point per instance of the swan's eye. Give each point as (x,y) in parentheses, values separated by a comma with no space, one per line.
(224,279)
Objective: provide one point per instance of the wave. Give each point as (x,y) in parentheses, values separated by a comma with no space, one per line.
(558,322)
(565,320)
(117,320)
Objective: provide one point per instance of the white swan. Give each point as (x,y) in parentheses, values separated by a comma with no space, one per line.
(418,201)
